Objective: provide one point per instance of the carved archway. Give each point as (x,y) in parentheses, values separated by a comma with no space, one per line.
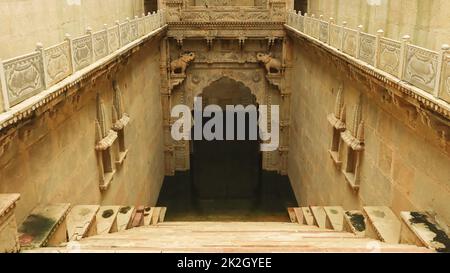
(254,79)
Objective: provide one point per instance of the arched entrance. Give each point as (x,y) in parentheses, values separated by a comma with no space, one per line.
(226,173)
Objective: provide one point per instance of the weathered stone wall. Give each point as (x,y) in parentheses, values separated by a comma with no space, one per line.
(53,158)
(426,21)
(26,22)
(404,165)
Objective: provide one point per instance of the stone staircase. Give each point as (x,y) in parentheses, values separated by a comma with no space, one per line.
(64,228)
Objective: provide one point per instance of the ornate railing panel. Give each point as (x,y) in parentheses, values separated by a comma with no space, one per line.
(101,48)
(445,83)
(58,63)
(324,31)
(27,75)
(113,38)
(335,36)
(82,52)
(389,56)
(350,40)
(422,68)
(24,77)
(367,48)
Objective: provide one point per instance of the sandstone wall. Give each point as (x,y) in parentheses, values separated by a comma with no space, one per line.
(426,21)
(403,166)
(52,159)
(26,22)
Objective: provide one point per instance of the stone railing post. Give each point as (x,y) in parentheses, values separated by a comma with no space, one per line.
(344,25)
(105,27)
(91,38)
(405,42)
(68,38)
(380,34)
(305,22)
(3,88)
(117,23)
(330,21)
(445,49)
(358,40)
(40,49)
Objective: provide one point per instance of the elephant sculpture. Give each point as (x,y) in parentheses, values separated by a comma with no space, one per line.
(273,65)
(179,66)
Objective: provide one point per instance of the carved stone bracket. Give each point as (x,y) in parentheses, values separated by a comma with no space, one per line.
(242,40)
(179,40)
(176,80)
(209,42)
(106,142)
(121,123)
(276,80)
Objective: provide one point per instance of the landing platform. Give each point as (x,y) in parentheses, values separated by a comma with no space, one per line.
(230,237)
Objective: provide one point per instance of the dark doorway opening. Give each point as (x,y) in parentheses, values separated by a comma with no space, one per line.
(301,5)
(150,6)
(226,181)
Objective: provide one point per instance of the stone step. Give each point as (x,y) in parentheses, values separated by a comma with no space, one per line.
(296,215)
(45,226)
(240,226)
(421,229)
(320,217)
(382,224)
(148,214)
(107,219)
(233,249)
(292,216)
(138,219)
(9,242)
(158,215)
(81,222)
(355,222)
(335,218)
(125,218)
(224,237)
(308,216)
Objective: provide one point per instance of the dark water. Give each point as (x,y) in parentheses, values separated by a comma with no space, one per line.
(268,204)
